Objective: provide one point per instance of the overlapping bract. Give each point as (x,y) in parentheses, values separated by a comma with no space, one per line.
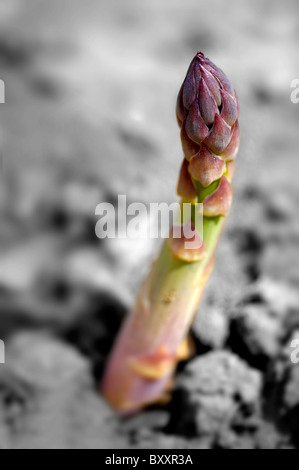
(207,113)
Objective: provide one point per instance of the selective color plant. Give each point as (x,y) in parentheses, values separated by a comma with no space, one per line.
(153,338)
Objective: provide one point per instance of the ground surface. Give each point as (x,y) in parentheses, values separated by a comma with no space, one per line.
(89,114)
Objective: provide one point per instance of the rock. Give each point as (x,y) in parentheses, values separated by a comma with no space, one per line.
(4,434)
(94,332)
(281,405)
(56,405)
(220,389)
(88,267)
(278,296)
(211,327)
(259,326)
(258,330)
(22,264)
(268,436)
(160,441)
(140,424)
(280,260)
(231,440)
(291,391)
(44,362)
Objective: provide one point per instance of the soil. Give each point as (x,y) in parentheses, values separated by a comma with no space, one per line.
(89,114)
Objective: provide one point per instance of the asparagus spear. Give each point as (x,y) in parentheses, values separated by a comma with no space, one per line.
(151,342)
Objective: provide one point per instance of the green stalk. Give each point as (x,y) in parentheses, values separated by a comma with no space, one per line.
(146,354)
(151,342)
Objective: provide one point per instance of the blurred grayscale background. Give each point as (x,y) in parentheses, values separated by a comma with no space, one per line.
(90,96)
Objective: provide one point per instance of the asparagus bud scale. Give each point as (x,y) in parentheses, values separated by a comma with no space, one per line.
(151,342)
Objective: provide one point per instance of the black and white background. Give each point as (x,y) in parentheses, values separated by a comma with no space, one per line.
(90,95)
